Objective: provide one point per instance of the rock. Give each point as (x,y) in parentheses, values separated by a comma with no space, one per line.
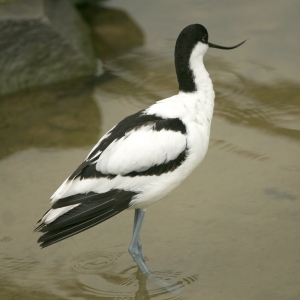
(113,31)
(41,42)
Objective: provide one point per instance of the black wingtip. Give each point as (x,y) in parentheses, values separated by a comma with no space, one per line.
(38,228)
(93,209)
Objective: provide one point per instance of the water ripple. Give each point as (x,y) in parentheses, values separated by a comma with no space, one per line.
(94,261)
(16,266)
(229,147)
(105,274)
(273,107)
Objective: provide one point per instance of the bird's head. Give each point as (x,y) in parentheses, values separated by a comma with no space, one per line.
(192,42)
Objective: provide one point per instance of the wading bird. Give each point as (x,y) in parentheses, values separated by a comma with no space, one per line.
(142,158)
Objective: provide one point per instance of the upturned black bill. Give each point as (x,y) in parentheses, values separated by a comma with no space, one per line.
(225,48)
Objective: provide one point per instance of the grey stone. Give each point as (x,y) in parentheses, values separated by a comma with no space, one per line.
(41,42)
(113,31)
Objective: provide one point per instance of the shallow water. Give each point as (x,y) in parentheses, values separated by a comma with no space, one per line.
(231,230)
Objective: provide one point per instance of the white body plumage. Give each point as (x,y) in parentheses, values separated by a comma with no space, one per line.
(144,147)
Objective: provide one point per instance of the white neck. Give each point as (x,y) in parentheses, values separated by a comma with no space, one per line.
(201,77)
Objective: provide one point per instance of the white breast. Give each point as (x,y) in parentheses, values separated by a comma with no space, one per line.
(195,110)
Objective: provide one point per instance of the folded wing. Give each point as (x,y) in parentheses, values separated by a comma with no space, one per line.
(104,184)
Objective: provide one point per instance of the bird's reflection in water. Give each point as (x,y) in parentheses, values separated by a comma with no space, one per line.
(162,286)
(142,293)
(107,275)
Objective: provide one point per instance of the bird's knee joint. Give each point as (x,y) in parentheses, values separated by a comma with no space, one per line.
(133,252)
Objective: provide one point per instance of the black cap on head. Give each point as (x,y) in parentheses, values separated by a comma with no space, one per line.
(193,34)
(186,41)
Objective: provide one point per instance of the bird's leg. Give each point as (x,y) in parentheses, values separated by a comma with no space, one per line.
(135,247)
(135,250)
(139,243)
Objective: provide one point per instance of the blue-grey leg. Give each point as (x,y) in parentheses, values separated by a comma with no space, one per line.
(135,247)
(135,250)
(137,212)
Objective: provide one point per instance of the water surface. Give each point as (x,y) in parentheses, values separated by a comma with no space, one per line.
(231,230)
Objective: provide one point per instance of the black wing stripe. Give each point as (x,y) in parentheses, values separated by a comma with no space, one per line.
(80,198)
(137,121)
(162,168)
(170,166)
(88,168)
(91,172)
(79,169)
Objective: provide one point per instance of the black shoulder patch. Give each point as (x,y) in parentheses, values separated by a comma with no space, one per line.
(174,124)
